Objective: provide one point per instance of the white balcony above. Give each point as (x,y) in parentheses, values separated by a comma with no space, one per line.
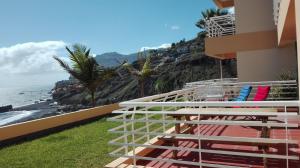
(220,25)
(276,5)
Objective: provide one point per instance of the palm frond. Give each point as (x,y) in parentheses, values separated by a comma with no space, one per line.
(146,70)
(75,58)
(62,63)
(141,59)
(87,53)
(207,14)
(67,68)
(79,48)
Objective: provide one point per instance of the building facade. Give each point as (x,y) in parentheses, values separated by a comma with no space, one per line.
(264,42)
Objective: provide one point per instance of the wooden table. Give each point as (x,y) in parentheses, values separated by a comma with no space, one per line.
(263,113)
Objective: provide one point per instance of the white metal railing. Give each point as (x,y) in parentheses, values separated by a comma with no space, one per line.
(146,121)
(280,90)
(212,81)
(276,7)
(220,25)
(143,124)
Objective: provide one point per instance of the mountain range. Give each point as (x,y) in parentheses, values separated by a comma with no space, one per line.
(111,59)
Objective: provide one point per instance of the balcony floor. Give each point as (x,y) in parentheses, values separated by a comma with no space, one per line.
(237,131)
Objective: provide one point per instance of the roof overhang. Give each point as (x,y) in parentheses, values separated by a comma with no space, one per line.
(224,3)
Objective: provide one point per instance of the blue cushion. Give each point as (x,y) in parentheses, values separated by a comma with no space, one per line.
(244,93)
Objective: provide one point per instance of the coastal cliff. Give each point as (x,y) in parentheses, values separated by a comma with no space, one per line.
(183,62)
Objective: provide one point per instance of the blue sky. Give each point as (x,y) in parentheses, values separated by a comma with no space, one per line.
(104,25)
(32,31)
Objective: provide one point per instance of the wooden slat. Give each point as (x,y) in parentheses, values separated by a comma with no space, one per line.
(248,123)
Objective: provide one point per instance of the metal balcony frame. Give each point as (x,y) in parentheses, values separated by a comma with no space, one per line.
(220,25)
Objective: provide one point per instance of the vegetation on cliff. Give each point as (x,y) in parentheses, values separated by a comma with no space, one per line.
(184,62)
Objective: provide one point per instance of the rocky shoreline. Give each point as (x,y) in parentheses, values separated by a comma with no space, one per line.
(38,110)
(41,110)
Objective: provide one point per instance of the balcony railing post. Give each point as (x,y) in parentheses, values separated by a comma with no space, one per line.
(125,134)
(133,137)
(199,140)
(164,115)
(147,127)
(286,137)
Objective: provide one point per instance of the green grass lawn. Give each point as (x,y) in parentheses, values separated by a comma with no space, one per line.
(85,146)
(82,146)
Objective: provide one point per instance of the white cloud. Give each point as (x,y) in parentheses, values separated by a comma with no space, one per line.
(166,45)
(231,10)
(31,57)
(172,27)
(175,27)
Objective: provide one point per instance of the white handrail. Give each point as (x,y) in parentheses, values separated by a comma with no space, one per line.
(214,103)
(160,115)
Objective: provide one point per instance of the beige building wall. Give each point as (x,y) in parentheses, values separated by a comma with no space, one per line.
(266,65)
(254,15)
(260,65)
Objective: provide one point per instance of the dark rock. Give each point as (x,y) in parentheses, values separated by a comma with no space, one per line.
(6,108)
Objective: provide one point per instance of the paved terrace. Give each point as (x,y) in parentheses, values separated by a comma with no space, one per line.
(233,131)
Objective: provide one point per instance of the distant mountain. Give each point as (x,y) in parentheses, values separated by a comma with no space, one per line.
(110,59)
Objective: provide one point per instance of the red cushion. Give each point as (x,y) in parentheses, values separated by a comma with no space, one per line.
(262,93)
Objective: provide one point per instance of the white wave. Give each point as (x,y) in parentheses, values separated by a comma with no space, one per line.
(12,116)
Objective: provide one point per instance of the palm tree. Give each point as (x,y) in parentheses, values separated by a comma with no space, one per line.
(161,86)
(85,68)
(208,13)
(142,73)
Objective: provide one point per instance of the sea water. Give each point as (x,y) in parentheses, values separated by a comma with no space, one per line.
(20,96)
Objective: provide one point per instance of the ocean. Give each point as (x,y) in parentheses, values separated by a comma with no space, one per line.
(21,96)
